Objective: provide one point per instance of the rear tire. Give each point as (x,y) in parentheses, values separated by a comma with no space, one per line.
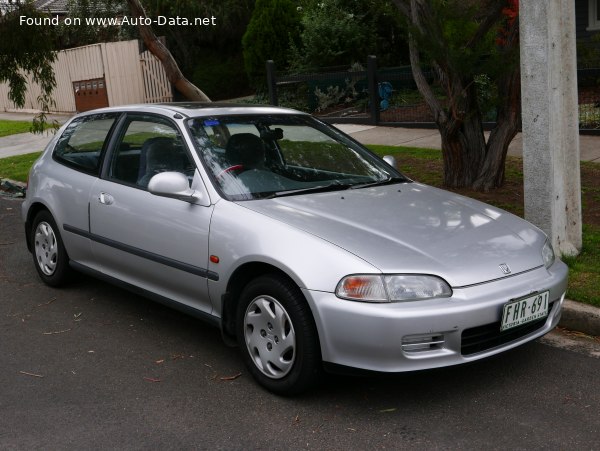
(277,336)
(49,254)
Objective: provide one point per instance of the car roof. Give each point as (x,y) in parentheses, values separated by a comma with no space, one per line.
(194,109)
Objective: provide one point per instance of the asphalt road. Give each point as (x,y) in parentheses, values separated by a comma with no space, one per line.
(94,367)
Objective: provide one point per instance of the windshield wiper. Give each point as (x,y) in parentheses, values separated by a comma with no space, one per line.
(312,189)
(388,181)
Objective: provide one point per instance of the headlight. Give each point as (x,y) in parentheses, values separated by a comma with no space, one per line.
(548,254)
(392,288)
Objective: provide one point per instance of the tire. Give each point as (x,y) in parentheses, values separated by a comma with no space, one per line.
(49,256)
(277,336)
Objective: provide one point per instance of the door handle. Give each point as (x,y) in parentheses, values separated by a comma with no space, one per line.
(106,199)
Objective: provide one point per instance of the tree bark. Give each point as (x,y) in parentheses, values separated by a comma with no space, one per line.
(491,175)
(508,121)
(463,147)
(182,84)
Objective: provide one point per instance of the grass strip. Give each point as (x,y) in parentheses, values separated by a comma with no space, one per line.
(17,167)
(14,127)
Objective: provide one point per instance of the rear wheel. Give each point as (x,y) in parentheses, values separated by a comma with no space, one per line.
(49,255)
(277,335)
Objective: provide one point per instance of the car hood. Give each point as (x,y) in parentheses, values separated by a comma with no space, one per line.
(415,228)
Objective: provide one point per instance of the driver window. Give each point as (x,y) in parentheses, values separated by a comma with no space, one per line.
(149,145)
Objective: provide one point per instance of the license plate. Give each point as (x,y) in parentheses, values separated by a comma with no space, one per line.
(524,310)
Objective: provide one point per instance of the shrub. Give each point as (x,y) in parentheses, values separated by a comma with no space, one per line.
(273,25)
(221,77)
(341,32)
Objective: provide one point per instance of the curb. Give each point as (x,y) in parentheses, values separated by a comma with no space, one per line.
(580,317)
(12,188)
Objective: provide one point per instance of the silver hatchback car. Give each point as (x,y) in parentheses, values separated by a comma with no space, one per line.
(306,249)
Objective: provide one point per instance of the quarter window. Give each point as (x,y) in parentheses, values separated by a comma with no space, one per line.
(81,144)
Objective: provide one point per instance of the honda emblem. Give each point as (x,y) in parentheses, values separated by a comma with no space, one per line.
(504,268)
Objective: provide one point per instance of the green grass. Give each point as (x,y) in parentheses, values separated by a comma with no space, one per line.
(584,270)
(17,167)
(416,152)
(14,127)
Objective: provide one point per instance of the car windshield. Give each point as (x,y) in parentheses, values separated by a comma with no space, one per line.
(253,157)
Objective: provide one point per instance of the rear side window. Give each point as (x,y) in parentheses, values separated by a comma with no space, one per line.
(82,142)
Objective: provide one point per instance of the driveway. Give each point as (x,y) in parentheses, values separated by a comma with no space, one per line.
(91,366)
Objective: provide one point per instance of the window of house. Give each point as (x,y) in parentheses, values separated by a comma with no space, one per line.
(594,15)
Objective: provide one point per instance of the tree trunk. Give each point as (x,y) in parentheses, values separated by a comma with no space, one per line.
(463,151)
(508,121)
(182,84)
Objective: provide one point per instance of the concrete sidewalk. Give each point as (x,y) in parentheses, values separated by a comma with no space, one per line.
(23,143)
(430,139)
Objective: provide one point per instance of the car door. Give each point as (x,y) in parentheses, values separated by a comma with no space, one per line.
(155,243)
(78,151)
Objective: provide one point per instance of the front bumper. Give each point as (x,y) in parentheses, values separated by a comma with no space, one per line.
(408,336)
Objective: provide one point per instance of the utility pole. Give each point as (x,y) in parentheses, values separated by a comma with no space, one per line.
(551,121)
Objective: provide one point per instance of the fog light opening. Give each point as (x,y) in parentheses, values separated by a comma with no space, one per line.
(422,343)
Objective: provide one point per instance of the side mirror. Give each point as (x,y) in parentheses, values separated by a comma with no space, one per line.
(174,185)
(390,160)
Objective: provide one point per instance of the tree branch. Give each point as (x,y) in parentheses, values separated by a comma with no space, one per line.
(490,19)
(158,49)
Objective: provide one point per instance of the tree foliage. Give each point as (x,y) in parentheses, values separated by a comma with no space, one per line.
(76,35)
(342,32)
(273,25)
(27,50)
(464,43)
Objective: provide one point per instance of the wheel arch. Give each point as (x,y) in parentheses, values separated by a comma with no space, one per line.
(32,212)
(238,280)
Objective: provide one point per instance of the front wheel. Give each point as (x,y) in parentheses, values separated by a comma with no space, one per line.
(49,255)
(277,335)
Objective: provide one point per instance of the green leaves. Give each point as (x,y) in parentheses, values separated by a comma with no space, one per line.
(27,49)
(274,23)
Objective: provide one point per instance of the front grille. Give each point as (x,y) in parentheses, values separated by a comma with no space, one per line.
(488,336)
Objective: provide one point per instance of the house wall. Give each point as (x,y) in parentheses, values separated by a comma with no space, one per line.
(124,78)
(119,63)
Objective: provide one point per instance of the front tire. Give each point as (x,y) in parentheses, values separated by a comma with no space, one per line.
(49,254)
(277,335)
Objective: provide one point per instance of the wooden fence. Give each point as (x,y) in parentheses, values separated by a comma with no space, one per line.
(156,84)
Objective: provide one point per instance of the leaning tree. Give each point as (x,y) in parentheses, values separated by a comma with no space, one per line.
(158,49)
(458,49)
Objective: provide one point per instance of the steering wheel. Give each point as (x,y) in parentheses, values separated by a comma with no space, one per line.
(235,167)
